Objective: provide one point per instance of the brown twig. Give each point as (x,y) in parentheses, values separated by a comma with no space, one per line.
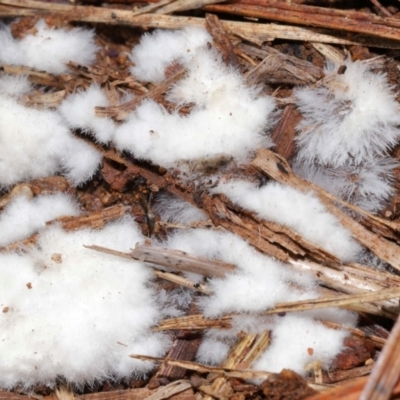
(122,111)
(386,372)
(253,32)
(347,21)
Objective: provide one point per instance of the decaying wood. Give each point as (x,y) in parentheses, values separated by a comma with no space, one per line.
(346,375)
(182,349)
(194,322)
(377,341)
(277,168)
(36,76)
(285,130)
(18,190)
(184,5)
(174,260)
(171,277)
(94,220)
(44,100)
(330,52)
(381,290)
(337,301)
(180,261)
(277,67)
(236,358)
(224,371)
(216,209)
(347,282)
(221,40)
(386,371)
(64,392)
(169,390)
(254,33)
(48,185)
(342,20)
(182,281)
(122,111)
(132,394)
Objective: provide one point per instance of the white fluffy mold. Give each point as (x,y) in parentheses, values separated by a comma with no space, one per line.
(354,116)
(71,312)
(48,49)
(228,119)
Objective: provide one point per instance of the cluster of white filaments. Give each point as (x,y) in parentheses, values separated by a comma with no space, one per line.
(68,311)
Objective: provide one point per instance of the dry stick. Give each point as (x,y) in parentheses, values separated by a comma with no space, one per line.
(184,5)
(151,7)
(199,322)
(329,52)
(386,308)
(95,219)
(337,301)
(36,76)
(177,279)
(346,21)
(221,40)
(346,375)
(377,341)
(194,322)
(253,32)
(386,372)
(225,371)
(382,9)
(165,392)
(175,260)
(277,168)
(122,111)
(182,262)
(234,360)
(228,372)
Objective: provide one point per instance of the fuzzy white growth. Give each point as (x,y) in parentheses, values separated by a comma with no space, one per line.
(48,49)
(357,117)
(259,283)
(349,125)
(76,313)
(79,112)
(158,51)
(23,216)
(228,118)
(254,276)
(171,208)
(367,185)
(294,209)
(212,351)
(14,85)
(174,303)
(297,341)
(36,143)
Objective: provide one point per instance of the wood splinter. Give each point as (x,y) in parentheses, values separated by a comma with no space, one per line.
(173,260)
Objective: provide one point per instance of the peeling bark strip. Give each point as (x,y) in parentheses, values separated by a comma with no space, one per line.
(221,40)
